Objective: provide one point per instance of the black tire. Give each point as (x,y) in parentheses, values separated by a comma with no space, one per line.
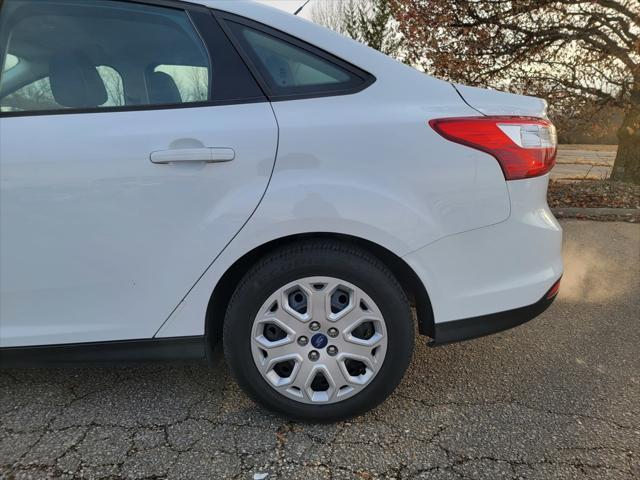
(318,258)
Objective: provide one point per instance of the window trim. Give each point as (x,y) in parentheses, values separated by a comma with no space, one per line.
(189,9)
(367,78)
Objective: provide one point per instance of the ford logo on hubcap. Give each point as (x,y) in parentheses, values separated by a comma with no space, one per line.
(319,340)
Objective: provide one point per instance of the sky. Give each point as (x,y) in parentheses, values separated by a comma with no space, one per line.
(291,6)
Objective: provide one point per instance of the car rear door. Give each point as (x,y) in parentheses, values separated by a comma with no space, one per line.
(134,145)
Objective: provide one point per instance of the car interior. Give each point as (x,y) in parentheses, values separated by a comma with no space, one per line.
(60,53)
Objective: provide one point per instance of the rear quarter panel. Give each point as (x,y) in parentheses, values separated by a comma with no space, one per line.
(366,165)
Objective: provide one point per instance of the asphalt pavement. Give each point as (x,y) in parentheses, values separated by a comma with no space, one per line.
(557,398)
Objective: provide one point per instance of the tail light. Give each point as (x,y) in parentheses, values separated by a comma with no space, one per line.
(524,146)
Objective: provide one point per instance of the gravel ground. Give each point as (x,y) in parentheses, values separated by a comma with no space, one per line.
(556,398)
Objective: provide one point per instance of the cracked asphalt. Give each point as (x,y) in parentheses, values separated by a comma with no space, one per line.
(557,398)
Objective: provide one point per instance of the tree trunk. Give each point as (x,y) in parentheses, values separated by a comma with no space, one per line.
(627,164)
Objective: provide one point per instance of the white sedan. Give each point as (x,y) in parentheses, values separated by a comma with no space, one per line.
(181,176)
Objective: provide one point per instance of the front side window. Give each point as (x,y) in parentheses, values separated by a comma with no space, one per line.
(100,53)
(291,69)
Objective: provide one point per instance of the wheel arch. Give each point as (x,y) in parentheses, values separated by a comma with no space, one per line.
(406,276)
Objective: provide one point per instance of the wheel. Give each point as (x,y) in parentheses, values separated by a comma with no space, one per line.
(318,331)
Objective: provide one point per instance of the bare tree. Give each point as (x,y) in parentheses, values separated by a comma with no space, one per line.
(34,96)
(582,55)
(197,84)
(113,85)
(368,21)
(331,14)
(192,81)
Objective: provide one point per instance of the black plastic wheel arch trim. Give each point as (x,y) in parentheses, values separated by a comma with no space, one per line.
(189,349)
(474,327)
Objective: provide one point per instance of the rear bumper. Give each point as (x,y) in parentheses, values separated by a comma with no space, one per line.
(458,330)
(496,272)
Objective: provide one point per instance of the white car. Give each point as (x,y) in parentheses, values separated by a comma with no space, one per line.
(175,176)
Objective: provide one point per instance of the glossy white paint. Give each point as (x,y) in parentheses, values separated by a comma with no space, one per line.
(493,102)
(370,167)
(98,243)
(498,267)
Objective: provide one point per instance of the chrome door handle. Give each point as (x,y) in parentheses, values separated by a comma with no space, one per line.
(183,155)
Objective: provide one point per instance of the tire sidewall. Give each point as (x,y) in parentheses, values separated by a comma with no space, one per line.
(273,275)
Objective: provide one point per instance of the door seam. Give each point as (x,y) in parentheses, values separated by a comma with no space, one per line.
(264,193)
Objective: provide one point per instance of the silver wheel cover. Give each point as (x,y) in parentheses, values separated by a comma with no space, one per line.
(339,321)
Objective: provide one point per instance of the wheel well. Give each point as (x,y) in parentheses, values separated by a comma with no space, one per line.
(408,279)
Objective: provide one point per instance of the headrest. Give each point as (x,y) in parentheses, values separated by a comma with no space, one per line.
(162,89)
(75,82)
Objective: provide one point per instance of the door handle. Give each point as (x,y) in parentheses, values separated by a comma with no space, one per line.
(222,154)
(184,155)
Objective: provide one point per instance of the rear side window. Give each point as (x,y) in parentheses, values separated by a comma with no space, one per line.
(192,82)
(90,55)
(293,68)
(113,85)
(10,62)
(38,95)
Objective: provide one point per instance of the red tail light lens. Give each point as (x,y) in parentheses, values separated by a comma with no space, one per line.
(524,146)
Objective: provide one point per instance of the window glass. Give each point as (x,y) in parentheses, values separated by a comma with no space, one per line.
(101,53)
(34,96)
(10,62)
(113,84)
(290,69)
(192,82)
(38,95)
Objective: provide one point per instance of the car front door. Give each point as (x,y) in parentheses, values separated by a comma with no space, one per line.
(134,145)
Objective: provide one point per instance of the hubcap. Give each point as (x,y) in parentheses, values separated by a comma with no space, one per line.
(343,355)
